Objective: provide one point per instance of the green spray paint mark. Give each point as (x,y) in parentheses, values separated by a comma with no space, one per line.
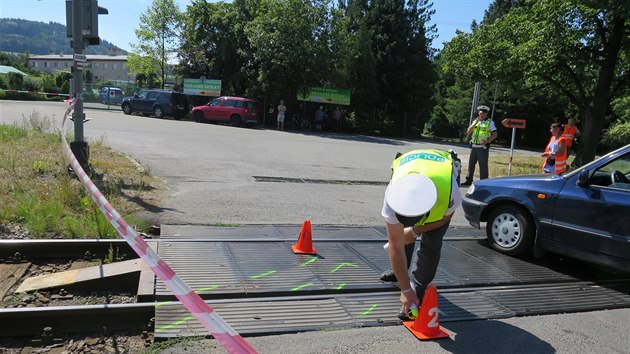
(262,274)
(164,303)
(208,288)
(341,286)
(302,286)
(345,264)
(163,328)
(369,311)
(313,259)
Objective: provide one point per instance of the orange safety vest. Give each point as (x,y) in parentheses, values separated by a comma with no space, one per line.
(568,134)
(560,165)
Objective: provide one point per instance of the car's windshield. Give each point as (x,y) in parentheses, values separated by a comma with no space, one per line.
(590,164)
(621,164)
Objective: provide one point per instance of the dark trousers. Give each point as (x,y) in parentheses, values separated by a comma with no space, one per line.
(478,154)
(424,266)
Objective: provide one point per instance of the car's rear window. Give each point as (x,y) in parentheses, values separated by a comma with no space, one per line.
(232,103)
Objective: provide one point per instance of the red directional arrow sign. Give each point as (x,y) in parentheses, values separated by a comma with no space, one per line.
(513,123)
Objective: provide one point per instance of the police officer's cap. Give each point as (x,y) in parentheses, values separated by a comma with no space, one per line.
(412,195)
(483,108)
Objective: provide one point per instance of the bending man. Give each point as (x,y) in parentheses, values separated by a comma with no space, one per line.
(420,199)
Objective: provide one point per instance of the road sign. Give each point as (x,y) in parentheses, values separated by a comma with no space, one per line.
(324,95)
(202,87)
(513,123)
(80,57)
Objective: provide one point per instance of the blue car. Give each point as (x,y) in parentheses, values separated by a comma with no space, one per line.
(584,214)
(111,95)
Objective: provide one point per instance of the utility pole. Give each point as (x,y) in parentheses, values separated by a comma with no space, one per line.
(475,102)
(82,27)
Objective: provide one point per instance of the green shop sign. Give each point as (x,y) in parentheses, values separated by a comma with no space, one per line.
(324,95)
(202,87)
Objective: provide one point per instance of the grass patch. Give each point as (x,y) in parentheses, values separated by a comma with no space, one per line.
(498,165)
(40,195)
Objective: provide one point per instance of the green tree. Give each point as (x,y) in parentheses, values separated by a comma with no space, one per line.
(292,40)
(214,44)
(392,64)
(574,49)
(157,39)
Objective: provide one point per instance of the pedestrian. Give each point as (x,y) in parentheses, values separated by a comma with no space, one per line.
(281,111)
(420,200)
(319,118)
(337,119)
(556,151)
(570,132)
(484,131)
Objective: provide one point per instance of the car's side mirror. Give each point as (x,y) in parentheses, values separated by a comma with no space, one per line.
(583,178)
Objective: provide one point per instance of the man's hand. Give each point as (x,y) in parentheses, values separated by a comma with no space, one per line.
(408,297)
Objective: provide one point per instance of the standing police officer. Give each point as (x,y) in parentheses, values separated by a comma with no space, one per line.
(483,133)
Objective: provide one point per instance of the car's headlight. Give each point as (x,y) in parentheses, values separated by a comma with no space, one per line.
(471,189)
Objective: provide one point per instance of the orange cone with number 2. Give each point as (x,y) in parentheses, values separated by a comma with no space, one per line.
(305,242)
(427,325)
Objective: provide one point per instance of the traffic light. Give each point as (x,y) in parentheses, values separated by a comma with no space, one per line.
(89,18)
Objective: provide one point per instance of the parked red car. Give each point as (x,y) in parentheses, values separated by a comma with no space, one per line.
(237,111)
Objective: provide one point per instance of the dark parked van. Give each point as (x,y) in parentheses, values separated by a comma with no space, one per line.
(158,103)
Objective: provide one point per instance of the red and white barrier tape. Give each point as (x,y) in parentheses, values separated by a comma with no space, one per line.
(216,326)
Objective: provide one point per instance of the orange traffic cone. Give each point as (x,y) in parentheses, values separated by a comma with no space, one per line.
(427,325)
(305,242)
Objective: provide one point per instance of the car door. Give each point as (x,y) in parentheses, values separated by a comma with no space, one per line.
(223,111)
(140,101)
(213,109)
(595,218)
(152,98)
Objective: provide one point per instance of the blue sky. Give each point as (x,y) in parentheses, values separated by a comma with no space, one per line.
(118,27)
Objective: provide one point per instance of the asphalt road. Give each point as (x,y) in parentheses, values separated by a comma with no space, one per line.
(210,168)
(210,171)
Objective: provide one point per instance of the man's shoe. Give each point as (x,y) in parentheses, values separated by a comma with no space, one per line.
(402,315)
(388,275)
(466,183)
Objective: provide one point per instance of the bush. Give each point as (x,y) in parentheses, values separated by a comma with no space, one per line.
(16,81)
(617,136)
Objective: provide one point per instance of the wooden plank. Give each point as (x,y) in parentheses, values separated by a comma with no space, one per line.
(10,274)
(79,275)
(82,264)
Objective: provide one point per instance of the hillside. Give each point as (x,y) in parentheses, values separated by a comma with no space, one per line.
(18,35)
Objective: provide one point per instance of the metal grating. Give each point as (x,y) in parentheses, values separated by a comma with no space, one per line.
(561,298)
(261,287)
(268,316)
(213,268)
(282,315)
(291,232)
(207,270)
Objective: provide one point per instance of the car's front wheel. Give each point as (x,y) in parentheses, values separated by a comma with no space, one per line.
(510,230)
(126,107)
(199,117)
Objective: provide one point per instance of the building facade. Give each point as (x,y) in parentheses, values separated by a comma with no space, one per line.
(103,67)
